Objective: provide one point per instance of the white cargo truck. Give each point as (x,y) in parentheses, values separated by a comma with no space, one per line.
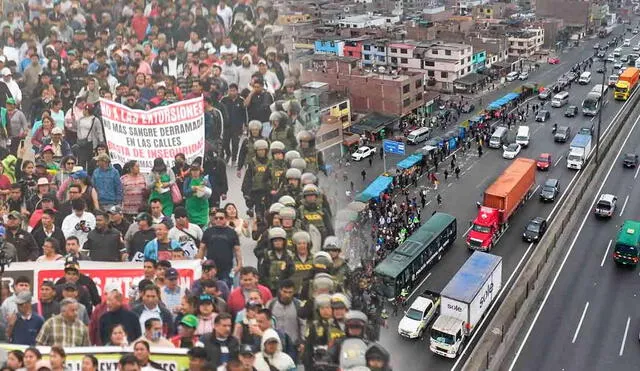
(579,151)
(464,301)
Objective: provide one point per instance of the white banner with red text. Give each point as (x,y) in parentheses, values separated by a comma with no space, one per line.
(160,132)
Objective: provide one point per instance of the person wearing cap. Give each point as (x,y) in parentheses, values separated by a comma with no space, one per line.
(247,357)
(117,220)
(186,337)
(5,93)
(58,144)
(12,85)
(270,79)
(258,103)
(103,242)
(24,325)
(43,191)
(271,355)
(79,223)
(138,235)
(106,181)
(186,233)
(25,244)
(172,293)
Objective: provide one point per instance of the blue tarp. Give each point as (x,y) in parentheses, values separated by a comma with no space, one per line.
(497,104)
(374,189)
(409,161)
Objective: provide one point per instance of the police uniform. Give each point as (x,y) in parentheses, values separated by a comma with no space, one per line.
(256,183)
(302,272)
(276,267)
(312,214)
(277,169)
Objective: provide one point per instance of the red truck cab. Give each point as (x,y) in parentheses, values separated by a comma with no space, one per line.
(483,229)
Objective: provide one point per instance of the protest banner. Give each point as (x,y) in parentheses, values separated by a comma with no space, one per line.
(160,132)
(171,359)
(125,274)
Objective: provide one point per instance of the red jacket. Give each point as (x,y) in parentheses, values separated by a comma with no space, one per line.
(237,302)
(139,25)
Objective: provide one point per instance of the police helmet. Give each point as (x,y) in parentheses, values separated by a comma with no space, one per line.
(301,236)
(277,232)
(290,155)
(299,164)
(308,178)
(304,136)
(331,243)
(293,173)
(287,212)
(260,144)
(277,146)
(309,190)
(287,200)
(275,208)
(322,258)
(355,316)
(339,300)
(323,300)
(255,125)
(144,216)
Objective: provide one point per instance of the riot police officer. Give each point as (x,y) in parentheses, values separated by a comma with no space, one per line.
(318,334)
(256,184)
(312,213)
(309,178)
(277,166)
(300,164)
(302,260)
(355,329)
(340,270)
(289,201)
(261,235)
(247,151)
(289,224)
(308,151)
(277,264)
(290,155)
(281,130)
(292,185)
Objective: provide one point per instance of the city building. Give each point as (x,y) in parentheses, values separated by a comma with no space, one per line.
(465,7)
(330,45)
(374,52)
(364,20)
(443,63)
(572,12)
(525,43)
(353,47)
(393,94)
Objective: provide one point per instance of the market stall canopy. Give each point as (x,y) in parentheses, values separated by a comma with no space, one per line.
(373,123)
(410,161)
(498,103)
(351,140)
(379,185)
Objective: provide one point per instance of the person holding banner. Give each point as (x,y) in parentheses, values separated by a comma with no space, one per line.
(197,191)
(160,181)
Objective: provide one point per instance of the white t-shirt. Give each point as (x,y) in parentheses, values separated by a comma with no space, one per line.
(189,239)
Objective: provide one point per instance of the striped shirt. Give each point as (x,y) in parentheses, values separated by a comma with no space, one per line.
(58,331)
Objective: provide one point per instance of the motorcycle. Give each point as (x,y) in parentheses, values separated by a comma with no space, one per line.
(554,129)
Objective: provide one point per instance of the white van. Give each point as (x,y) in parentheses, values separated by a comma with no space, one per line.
(585,78)
(627,42)
(418,135)
(522,138)
(499,137)
(560,99)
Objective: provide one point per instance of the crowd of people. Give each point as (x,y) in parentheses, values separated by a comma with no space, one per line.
(63,199)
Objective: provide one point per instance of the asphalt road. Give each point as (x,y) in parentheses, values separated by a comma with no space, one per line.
(589,320)
(459,197)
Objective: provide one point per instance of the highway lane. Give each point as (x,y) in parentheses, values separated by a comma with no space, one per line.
(460,198)
(589,320)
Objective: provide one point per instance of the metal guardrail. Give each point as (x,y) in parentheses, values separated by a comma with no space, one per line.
(503,329)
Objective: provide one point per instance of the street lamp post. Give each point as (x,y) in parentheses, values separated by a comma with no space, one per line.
(604,73)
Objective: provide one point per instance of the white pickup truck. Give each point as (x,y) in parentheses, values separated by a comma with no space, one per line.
(422,311)
(363,152)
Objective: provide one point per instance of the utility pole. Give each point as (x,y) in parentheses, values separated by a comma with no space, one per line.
(604,73)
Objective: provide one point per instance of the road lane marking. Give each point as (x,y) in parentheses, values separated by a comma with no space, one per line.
(558,161)
(469,168)
(624,337)
(573,243)
(427,204)
(536,190)
(584,312)
(482,181)
(637,170)
(450,184)
(606,253)
(468,229)
(593,118)
(624,205)
(417,287)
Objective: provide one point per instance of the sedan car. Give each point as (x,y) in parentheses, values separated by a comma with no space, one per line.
(544,161)
(636,48)
(550,190)
(467,108)
(553,60)
(600,69)
(511,151)
(535,229)
(543,115)
(523,75)
(617,65)
(606,205)
(562,134)
(630,160)
(544,94)
(512,76)
(571,111)
(588,130)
